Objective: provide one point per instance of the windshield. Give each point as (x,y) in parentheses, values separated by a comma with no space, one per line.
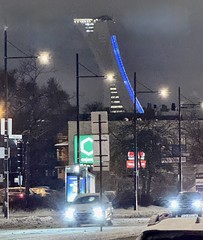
(87,199)
(172,235)
(16,190)
(189,195)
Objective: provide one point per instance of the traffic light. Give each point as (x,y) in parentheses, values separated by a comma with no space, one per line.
(173,107)
(20,155)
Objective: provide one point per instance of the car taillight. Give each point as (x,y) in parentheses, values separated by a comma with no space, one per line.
(21,195)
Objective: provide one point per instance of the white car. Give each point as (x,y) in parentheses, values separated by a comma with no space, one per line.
(89,209)
(165,227)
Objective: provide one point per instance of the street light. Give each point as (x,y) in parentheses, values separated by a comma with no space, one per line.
(78,76)
(179,142)
(182,106)
(164,92)
(135,174)
(42,58)
(110,77)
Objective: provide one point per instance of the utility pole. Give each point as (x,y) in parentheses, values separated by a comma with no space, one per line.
(135,148)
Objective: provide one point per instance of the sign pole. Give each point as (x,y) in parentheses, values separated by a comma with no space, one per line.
(100,161)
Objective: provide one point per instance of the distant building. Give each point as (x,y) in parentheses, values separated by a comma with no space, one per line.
(115,106)
(62,155)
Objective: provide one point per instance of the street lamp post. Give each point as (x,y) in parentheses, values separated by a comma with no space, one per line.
(78,76)
(44,59)
(164,93)
(135,148)
(179,143)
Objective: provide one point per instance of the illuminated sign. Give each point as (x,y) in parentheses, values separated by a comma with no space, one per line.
(131,164)
(86,149)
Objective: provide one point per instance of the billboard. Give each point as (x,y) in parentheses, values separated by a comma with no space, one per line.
(71,189)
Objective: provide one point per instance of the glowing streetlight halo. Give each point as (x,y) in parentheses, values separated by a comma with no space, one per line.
(44,57)
(110,77)
(164,92)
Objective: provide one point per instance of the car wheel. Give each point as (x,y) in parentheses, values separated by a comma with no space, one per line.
(73,225)
(77,224)
(200,214)
(109,223)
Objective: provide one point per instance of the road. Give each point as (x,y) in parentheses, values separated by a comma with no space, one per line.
(122,228)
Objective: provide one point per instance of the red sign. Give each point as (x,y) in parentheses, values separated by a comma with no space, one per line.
(131,155)
(143,163)
(140,155)
(130,164)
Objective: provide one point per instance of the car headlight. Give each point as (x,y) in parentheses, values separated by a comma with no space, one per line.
(174,204)
(98,212)
(69,213)
(197,204)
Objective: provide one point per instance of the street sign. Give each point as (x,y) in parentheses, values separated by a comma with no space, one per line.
(95,123)
(14,137)
(173,160)
(131,164)
(140,155)
(131,155)
(105,152)
(199,175)
(3,126)
(2,152)
(1,178)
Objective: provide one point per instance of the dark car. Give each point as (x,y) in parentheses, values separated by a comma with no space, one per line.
(89,209)
(187,203)
(16,194)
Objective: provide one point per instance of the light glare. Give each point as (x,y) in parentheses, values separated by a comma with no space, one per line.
(164,92)
(110,77)
(44,58)
(98,212)
(174,204)
(70,213)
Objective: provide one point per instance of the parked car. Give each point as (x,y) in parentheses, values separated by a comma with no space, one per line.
(164,227)
(16,194)
(88,208)
(43,191)
(187,203)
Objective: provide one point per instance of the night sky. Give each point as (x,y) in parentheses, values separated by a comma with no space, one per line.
(160,40)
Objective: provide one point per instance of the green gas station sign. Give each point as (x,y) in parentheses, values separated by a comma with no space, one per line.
(86,149)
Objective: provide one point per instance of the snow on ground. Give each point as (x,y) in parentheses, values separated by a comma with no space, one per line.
(45,218)
(49,219)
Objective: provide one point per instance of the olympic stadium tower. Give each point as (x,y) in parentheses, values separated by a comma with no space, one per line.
(97,33)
